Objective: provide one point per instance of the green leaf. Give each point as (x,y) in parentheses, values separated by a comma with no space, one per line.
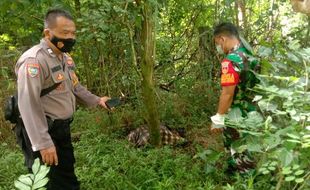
(273,163)
(202,155)
(21,186)
(257,134)
(299,180)
(271,168)
(293,57)
(294,45)
(267,105)
(79,20)
(306,137)
(306,145)
(299,172)
(40,183)
(264,51)
(254,120)
(294,141)
(234,115)
(25,179)
(209,168)
(254,148)
(271,142)
(285,156)
(290,178)
(42,173)
(257,98)
(293,136)
(265,172)
(36,166)
(268,122)
(286,172)
(241,148)
(295,167)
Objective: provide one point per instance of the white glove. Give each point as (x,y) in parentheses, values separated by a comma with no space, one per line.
(218,121)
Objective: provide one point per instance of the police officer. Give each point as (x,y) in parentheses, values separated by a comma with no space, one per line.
(237,75)
(44,130)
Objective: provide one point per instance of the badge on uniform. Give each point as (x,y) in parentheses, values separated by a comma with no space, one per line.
(50,51)
(33,69)
(225,67)
(60,76)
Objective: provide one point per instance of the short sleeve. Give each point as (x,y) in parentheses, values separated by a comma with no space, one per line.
(229,76)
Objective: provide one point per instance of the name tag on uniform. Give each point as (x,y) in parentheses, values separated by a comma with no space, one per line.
(57,68)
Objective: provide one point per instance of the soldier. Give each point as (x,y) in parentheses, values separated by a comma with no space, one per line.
(237,75)
(47,91)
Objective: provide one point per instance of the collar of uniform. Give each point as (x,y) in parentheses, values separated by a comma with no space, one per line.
(46,48)
(235,48)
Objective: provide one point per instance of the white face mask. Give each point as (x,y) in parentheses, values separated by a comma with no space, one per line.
(219,49)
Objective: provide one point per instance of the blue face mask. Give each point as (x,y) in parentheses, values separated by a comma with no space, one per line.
(219,49)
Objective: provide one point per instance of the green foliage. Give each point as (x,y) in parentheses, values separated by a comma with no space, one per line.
(279,135)
(293,173)
(111,163)
(11,162)
(211,158)
(35,181)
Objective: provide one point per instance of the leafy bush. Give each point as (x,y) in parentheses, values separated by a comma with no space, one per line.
(279,134)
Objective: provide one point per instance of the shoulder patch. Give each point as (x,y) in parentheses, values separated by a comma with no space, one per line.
(74,78)
(33,69)
(69,61)
(225,65)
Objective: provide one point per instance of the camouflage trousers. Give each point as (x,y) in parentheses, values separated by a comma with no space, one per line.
(240,162)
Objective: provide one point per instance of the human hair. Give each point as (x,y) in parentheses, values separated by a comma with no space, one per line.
(227,29)
(52,15)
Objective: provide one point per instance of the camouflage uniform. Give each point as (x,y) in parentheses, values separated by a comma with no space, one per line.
(238,69)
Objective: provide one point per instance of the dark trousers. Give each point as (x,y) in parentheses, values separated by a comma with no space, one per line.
(62,176)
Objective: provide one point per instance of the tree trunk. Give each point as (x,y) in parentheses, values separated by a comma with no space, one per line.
(237,13)
(147,69)
(308,33)
(242,5)
(241,18)
(204,43)
(216,14)
(271,17)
